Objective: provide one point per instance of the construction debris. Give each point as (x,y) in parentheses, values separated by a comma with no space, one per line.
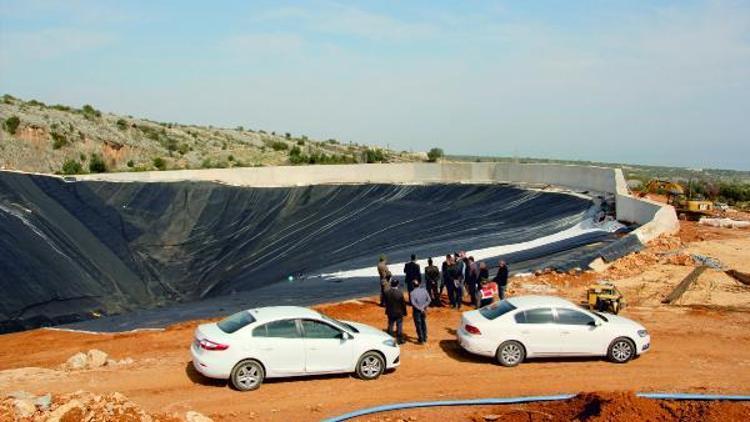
(724,223)
(684,285)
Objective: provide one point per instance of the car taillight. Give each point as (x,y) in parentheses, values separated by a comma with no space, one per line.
(210,345)
(472,329)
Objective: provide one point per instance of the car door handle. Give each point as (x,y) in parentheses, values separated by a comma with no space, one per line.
(525,332)
(565,332)
(266,349)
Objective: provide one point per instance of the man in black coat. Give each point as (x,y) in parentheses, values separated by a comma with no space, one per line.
(395,310)
(501,278)
(412,272)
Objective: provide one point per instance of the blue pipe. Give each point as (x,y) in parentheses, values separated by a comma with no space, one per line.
(525,399)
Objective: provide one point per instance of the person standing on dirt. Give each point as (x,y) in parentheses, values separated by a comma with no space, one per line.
(447,283)
(457,276)
(501,278)
(483,276)
(382,273)
(412,273)
(432,279)
(472,279)
(395,309)
(420,300)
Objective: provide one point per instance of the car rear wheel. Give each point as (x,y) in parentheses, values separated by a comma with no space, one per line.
(621,350)
(510,353)
(370,366)
(247,375)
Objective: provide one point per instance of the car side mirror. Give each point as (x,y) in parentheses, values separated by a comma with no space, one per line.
(595,323)
(345,336)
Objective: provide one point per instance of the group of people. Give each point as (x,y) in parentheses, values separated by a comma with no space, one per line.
(460,276)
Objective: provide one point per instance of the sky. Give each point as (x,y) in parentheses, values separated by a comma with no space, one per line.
(638,81)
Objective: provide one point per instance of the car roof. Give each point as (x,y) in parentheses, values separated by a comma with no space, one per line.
(536,301)
(271,313)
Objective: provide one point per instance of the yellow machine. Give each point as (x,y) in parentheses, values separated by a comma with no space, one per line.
(605,297)
(686,206)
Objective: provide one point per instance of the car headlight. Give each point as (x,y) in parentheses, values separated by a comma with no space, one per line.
(642,333)
(390,342)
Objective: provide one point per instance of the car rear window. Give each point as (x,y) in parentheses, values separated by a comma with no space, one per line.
(496,309)
(236,321)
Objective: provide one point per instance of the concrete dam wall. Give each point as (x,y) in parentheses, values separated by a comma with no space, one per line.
(76,251)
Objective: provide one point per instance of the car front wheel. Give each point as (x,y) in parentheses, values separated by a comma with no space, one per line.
(510,353)
(247,375)
(370,366)
(621,350)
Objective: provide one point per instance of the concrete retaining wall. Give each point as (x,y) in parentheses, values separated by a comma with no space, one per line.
(654,218)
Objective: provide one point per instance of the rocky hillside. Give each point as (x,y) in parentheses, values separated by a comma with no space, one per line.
(61,139)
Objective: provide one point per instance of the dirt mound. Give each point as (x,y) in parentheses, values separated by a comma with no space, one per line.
(81,406)
(585,407)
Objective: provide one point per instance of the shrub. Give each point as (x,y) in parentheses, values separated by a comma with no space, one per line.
(206,163)
(60,107)
(12,124)
(122,124)
(239,129)
(58,140)
(90,112)
(435,154)
(374,155)
(36,103)
(72,167)
(183,149)
(333,141)
(288,135)
(82,156)
(230,158)
(97,164)
(159,163)
(279,146)
(131,164)
(300,142)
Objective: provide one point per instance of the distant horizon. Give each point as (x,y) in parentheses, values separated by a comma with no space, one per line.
(650,83)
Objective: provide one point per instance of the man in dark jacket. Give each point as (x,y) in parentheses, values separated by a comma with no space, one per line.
(501,279)
(395,310)
(447,282)
(412,272)
(432,279)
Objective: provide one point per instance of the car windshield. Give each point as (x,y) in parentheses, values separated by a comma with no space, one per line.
(496,309)
(339,323)
(236,321)
(600,316)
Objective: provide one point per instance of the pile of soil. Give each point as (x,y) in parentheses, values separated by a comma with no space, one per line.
(588,407)
(664,249)
(83,406)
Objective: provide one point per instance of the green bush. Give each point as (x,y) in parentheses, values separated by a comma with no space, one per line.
(435,154)
(12,124)
(374,155)
(58,140)
(300,142)
(279,146)
(97,164)
(159,163)
(288,135)
(131,164)
(90,112)
(333,141)
(183,149)
(206,163)
(122,124)
(72,167)
(230,158)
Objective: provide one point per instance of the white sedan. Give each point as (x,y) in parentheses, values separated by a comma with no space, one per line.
(544,326)
(285,341)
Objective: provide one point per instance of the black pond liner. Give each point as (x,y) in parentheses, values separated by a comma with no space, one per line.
(164,252)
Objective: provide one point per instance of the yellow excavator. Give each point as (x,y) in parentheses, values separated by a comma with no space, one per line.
(686,206)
